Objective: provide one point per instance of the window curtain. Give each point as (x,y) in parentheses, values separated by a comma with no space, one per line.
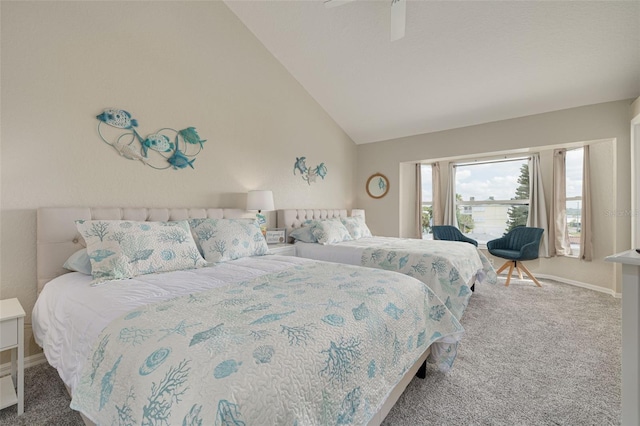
(586,247)
(418,201)
(537,208)
(437,215)
(559,231)
(449,217)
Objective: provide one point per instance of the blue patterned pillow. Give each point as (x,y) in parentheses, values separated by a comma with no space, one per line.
(330,231)
(303,234)
(79,262)
(356,226)
(120,249)
(228,239)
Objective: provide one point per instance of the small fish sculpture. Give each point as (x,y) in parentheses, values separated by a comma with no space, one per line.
(179,161)
(300,165)
(321,170)
(311,176)
(191,136)
(117,118)
(129,152)
(157,142)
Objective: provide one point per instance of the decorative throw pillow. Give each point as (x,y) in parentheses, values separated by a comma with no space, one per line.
(330,231)
(356,226)
(303,234)
(120,249)
(79,262)
(228,239)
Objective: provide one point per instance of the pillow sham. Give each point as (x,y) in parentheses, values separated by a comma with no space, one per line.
(79,262)
(356,226)
(303,234)
(119,249)
(228,239)
(330,231)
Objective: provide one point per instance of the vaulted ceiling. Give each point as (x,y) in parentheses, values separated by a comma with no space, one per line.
(460,63)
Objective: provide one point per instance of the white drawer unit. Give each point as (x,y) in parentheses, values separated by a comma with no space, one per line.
(12,338)
(282,249)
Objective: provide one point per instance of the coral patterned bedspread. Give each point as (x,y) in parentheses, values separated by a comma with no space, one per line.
(447,267)
(317,343)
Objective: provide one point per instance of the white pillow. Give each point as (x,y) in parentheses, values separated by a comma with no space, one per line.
(121,249)
(356,226)
(228,239)
(330,231)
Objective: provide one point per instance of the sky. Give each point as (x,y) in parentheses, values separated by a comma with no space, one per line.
(500,180)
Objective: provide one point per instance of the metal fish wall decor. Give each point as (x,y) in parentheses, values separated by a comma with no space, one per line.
(309,174)
(167,148)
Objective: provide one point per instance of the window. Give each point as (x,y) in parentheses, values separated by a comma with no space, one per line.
(492,197)
(427,201)
(573,175)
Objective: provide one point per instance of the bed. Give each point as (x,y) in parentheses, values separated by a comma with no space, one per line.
(451,269)
(254,340)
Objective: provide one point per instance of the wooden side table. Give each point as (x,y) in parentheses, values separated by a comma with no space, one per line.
(12,338)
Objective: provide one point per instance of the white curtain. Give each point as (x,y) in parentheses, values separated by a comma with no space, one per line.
(450,203)
(418,228)
(437,215)
(559,231)
(586,247)
(537,208)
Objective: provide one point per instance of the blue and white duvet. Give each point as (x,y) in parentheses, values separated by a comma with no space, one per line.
(447,267)
(315,343)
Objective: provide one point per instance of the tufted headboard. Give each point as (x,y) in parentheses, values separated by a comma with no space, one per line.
(293,218)
(58,238)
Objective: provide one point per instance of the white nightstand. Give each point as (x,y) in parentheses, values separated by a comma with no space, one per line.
(282,249)
(12,337)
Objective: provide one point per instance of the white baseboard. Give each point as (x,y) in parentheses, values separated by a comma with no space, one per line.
(608,291)
(29,361)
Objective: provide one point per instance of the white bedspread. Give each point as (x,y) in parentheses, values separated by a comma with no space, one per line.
(70,314)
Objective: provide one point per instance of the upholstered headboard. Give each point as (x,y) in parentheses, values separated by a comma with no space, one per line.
(293,218)
(58,238)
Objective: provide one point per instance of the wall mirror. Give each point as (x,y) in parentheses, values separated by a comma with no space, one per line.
(377,185)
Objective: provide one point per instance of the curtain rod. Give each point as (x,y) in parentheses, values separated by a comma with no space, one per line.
(474,163)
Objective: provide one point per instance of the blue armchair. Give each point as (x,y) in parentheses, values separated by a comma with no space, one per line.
(521,243)
(451,233)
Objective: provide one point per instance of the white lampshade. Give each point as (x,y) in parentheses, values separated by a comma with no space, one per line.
(260,200)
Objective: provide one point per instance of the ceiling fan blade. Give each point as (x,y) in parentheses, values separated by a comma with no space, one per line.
(398,18)
(335,3)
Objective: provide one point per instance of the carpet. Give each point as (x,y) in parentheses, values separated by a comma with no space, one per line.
(530,356)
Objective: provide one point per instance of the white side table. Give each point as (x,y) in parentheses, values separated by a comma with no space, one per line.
(12,338)
(282,249)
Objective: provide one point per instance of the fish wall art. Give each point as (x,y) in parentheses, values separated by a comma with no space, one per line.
(309,174)
(167,148)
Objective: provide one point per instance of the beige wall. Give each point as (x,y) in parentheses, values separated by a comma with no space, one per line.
(170,64)
(608,121)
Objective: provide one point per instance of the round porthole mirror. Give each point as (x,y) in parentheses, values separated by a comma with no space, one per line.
(377,185)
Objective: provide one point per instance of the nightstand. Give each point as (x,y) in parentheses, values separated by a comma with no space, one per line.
(12,338)
(282,249)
